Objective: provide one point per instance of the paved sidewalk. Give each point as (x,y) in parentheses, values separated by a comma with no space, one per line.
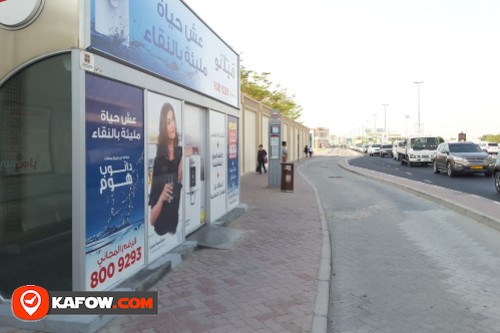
(267,282)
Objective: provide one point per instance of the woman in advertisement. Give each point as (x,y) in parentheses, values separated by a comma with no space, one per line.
(167,175)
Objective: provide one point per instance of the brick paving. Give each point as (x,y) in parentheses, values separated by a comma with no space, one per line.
(267,282)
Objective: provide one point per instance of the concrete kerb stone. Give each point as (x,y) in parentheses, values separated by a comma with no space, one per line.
(320,319)
(426,191)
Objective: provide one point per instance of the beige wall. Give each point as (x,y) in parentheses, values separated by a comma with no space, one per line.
(56,29)
(255,124)
(249,151)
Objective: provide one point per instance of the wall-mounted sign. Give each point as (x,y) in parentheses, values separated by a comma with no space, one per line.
(167,39)
(87,61)
(114,173)
(17,14)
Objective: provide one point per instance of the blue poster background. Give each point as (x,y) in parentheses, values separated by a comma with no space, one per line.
(114,132)
(233,179)
(165,38)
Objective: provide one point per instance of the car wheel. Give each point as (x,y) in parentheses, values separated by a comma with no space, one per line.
(435,167)
(497,181)
(449,170)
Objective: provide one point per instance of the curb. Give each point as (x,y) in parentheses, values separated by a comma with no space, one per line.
(321,307)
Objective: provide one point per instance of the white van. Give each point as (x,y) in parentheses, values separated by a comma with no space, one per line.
(489,147)
(397,147)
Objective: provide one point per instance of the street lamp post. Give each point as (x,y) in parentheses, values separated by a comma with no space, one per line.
(385,122)
(374,125)
(406,124)
(419,128)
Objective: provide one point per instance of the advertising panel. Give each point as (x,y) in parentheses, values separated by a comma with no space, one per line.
(165,174)
(233,179)
(194,166)
(218,164)
(114,138)
(165,38)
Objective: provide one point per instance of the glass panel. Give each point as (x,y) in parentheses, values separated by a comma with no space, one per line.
(35,177)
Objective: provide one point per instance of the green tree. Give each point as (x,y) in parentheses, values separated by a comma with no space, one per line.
(259,87)
(491,137)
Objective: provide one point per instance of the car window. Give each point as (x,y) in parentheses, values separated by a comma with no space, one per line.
(424,143)
(493,144)
(465,148)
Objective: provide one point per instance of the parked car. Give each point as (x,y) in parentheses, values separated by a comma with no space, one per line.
(386,150)
(462,157)
(489,147)
(496,173)
(374,149)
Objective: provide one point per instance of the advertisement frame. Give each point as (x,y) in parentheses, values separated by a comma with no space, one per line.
(113,70)
(166,39)
(114,182)
(153,106)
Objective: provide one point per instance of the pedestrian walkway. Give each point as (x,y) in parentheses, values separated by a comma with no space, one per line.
(267,281)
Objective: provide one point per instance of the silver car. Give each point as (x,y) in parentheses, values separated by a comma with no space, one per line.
(374,149)
(462,158)
(496,174)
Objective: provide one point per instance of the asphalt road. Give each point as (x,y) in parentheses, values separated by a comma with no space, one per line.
(401,263)
(471,184)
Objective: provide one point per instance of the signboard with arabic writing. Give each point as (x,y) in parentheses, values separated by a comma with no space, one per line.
(164,37)
(164,223)
(33,156)
(218,164)
(114,137)
(233,183)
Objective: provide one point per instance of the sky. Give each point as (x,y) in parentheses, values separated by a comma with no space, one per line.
(343,59)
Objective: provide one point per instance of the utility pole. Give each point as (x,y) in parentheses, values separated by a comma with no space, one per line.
(419,127)
(385,122)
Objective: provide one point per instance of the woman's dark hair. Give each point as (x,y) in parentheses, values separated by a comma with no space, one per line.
(163,137)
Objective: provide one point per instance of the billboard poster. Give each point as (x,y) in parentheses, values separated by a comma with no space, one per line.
(165,174)
(218,164)
(233,179)
(114,138)
(167,39)
(194,167)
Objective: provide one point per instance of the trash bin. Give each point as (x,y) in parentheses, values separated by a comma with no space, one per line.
(286,177)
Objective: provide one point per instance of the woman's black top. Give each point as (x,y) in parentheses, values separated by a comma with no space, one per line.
(163,171)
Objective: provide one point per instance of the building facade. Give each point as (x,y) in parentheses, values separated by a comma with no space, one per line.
(120,136)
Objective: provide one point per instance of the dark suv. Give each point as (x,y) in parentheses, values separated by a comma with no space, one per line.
(496,173)
(386,150)
(462,157)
